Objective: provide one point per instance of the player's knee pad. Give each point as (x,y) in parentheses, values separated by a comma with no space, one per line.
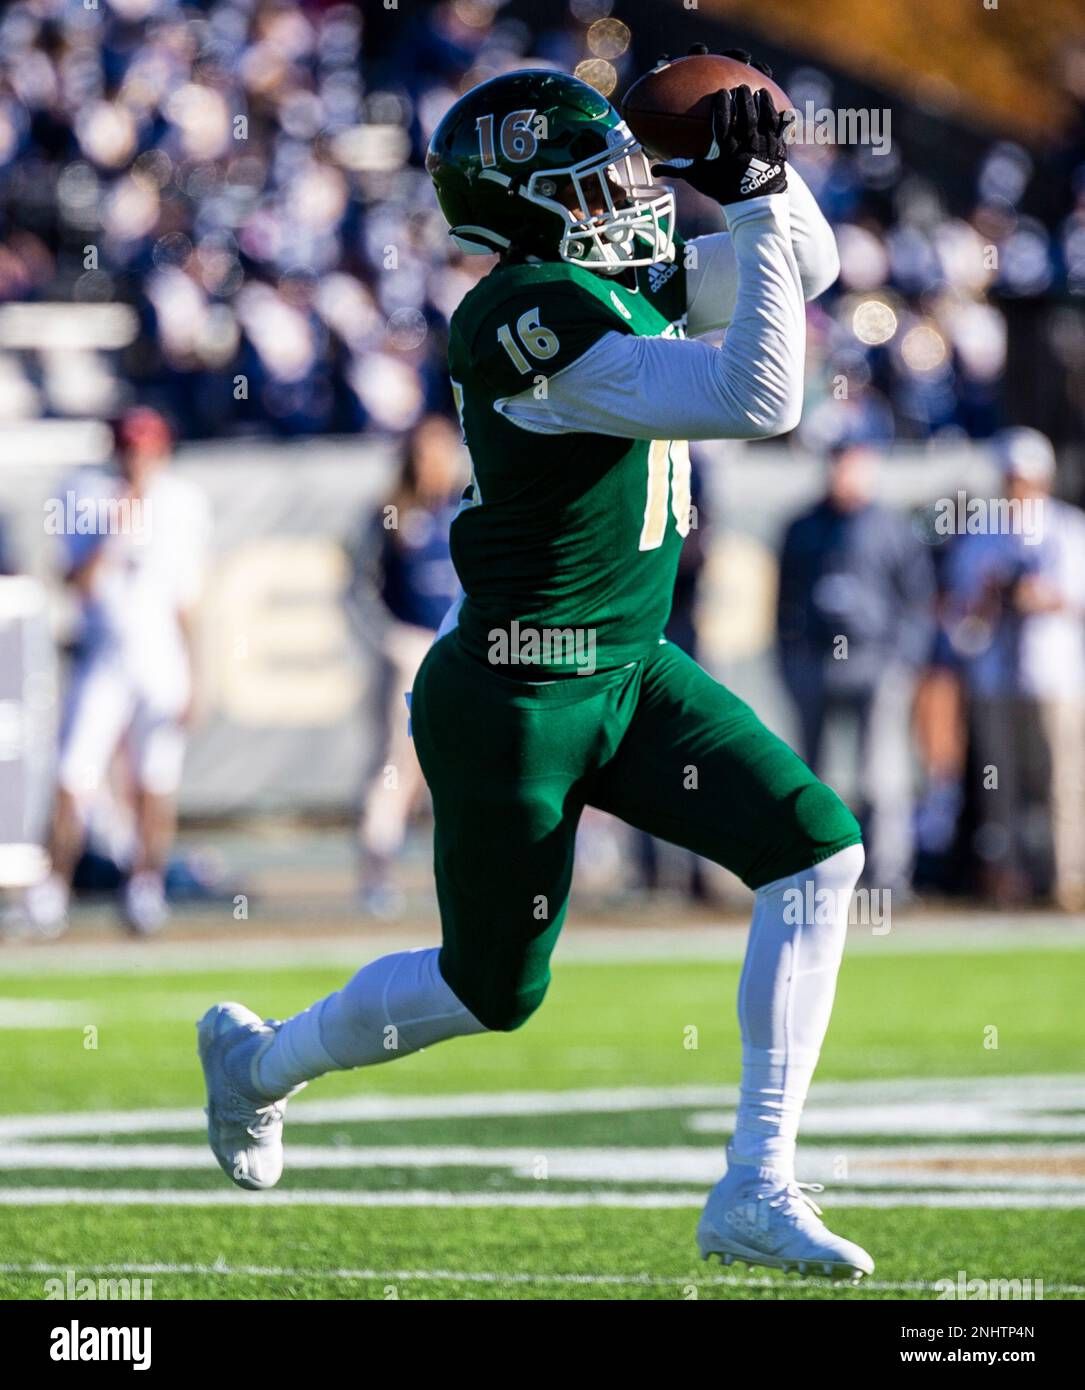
(823,825)
(813,825)
(499,1005)
(507,1012)
(826,817)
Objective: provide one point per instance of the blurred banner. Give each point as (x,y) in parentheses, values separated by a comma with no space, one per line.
(285,674)
(290,669)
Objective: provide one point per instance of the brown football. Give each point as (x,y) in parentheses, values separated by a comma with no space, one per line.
(669,108)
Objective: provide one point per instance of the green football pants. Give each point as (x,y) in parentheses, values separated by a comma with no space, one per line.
(511,765)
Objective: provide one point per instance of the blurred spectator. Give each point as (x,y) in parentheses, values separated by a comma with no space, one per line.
(854,623)
(941,731)
(401,563)
(8,564)
(1017,595)
(134,545)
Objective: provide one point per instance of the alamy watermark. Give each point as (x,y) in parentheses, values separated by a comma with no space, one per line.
(73,515)
(865,907)
(71,1287)
(964,1288)
(820,125)
(561,647)
(962,515)
(72,1342)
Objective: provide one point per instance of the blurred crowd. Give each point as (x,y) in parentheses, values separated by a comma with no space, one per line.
(951,646)
(246,177)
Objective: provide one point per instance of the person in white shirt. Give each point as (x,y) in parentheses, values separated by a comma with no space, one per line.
(1017,619)
(1051,602)
(134,550)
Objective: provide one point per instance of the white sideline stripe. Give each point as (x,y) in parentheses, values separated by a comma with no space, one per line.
(44,1013)
(471,1106)
(632,1201)
(1009,1101)
(477,1276)
(931,935)
(905,1166)
(935,1118)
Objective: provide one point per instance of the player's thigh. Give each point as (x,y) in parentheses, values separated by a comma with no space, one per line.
(98,709)
(503,763)
(699,768)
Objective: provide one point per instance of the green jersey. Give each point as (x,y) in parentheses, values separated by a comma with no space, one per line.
(568,549)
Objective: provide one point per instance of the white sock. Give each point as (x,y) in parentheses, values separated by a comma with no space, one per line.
(785,997)
(392,1007)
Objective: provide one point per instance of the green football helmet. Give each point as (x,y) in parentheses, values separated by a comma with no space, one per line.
(539,163)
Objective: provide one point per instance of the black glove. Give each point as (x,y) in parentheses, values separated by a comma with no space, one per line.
(748,157)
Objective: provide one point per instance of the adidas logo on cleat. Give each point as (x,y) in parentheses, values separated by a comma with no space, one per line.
(750,1219)
(757,174)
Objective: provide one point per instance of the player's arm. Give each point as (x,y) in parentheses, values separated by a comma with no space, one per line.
(672,388)
(712,268)
(662,388)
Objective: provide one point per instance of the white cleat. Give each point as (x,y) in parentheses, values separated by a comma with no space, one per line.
(245,1131)
(755,1216)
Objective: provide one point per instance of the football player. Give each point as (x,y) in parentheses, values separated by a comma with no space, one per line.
(579,378)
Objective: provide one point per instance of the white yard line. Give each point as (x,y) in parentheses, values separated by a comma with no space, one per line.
(932,1172)
(907,1166)
(476,1105)
(632,1201)
(949,1106)
(474,1276)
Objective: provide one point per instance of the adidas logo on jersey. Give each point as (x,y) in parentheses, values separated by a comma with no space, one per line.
(659,274)
(757,174)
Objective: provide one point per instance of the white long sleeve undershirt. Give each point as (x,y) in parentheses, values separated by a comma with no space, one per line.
(667,388)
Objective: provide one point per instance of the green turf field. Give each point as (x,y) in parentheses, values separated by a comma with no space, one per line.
(567,1160)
